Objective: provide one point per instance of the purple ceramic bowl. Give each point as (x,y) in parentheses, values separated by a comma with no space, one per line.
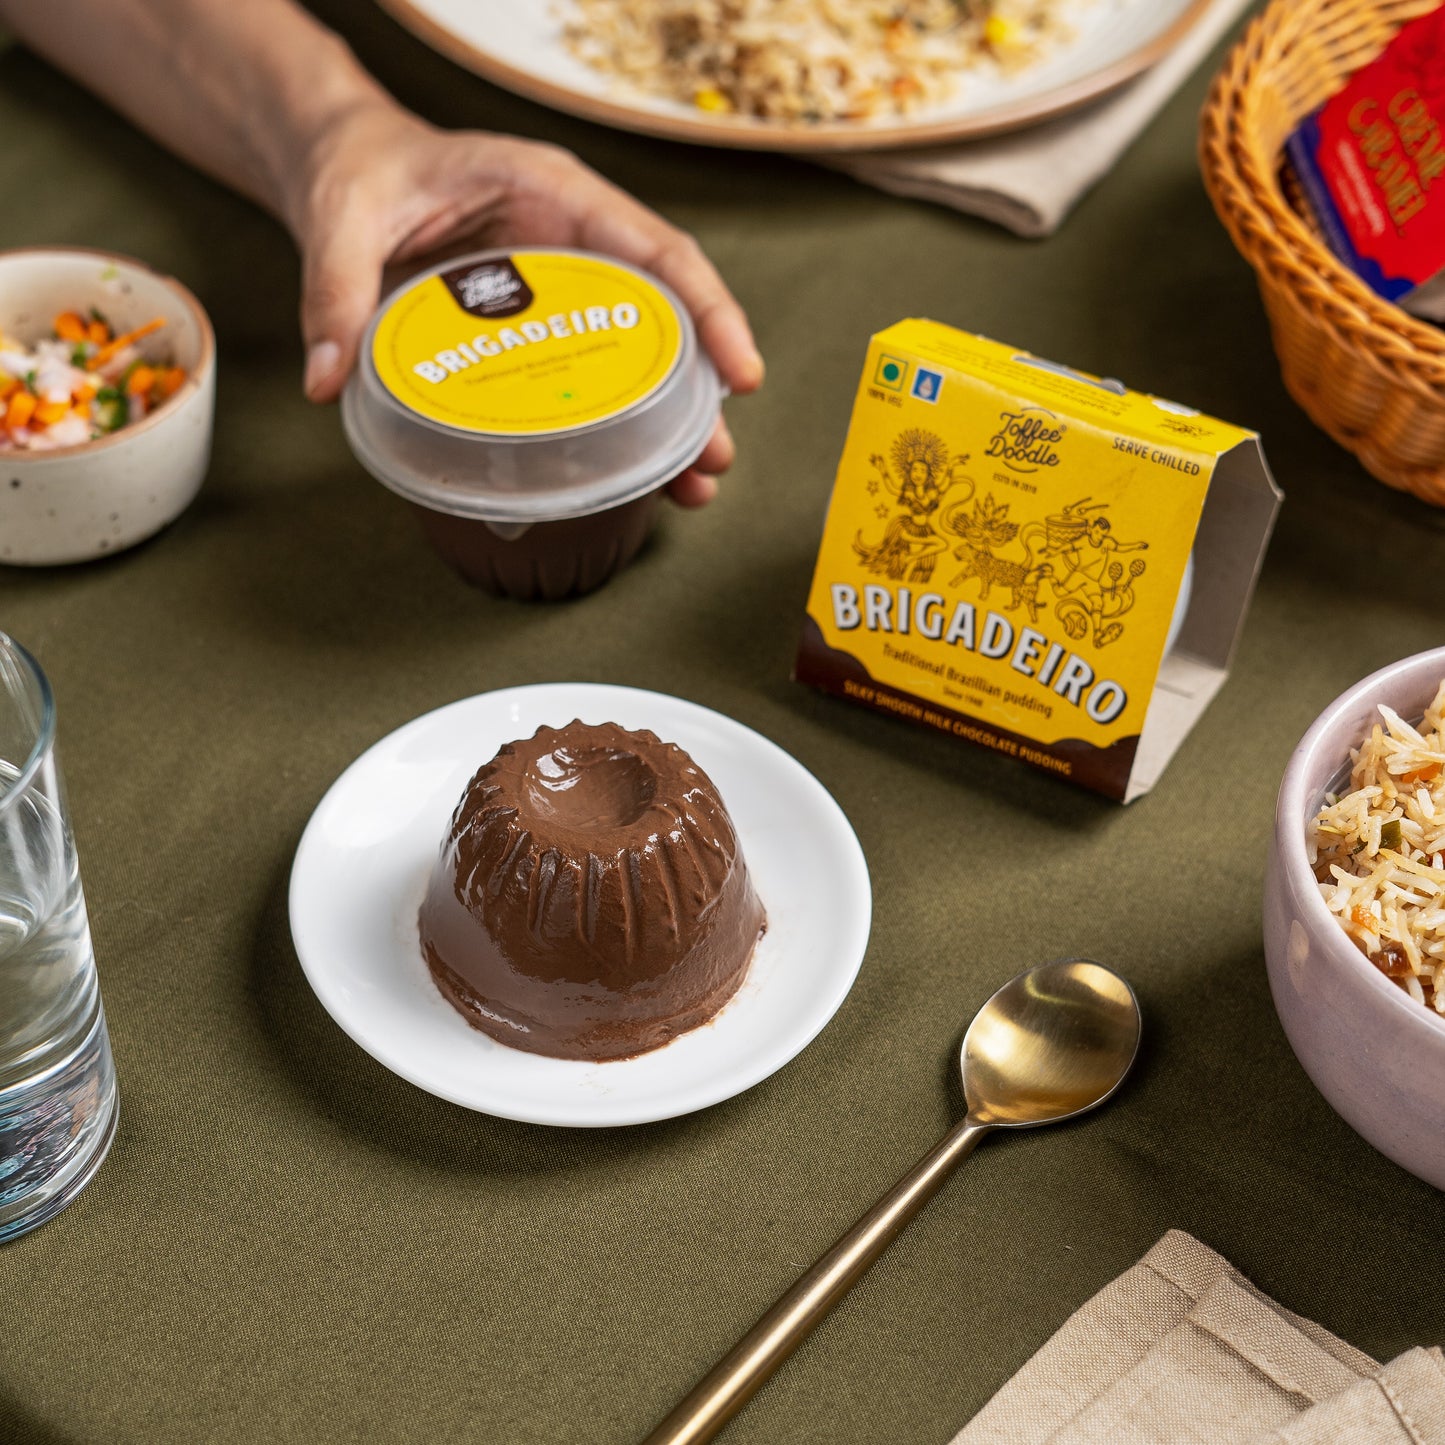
(1376,1055)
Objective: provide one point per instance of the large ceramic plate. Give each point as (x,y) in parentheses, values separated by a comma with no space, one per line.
(518,44)
(361,870)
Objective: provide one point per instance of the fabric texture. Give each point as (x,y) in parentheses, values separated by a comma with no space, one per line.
(1404,1403)
(1030,180)
(290,1244)
(1182,1350)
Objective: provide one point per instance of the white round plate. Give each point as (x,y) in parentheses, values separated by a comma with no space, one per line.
(521,47)
(361,871)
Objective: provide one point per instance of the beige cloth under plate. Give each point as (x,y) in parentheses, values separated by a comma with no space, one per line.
(1182,1350)
(1030,180)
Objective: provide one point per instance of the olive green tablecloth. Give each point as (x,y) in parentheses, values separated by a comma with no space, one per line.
(288,1243)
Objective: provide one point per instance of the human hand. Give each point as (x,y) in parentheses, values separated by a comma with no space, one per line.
(383,188)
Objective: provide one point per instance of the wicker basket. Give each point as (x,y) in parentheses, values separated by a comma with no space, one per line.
(1370,375)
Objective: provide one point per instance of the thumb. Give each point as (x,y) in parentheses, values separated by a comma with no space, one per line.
(340,284)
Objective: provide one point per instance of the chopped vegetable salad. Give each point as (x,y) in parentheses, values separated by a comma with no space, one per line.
(80,383)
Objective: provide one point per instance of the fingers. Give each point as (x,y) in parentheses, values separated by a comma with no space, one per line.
(612,221)
(341,282)
(692,489)
(722,326)
(697,486)
(718,455)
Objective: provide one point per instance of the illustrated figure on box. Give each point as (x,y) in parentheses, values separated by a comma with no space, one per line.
(987,527)
(1094,587)
(911,544)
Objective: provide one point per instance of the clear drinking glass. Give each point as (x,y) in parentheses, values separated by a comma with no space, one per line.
(57,1082)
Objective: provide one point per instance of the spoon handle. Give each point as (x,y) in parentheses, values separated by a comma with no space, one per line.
(733,1381)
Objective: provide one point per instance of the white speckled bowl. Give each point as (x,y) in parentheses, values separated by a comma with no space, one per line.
(77,503)
(1376,1055)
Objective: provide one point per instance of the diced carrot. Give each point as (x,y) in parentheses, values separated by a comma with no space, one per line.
(85,393)
(140,380)
(70,326)
(1427,774)
(98,332)
(47,413)
(20,409)
(170,381)
(111,348)
(8,386)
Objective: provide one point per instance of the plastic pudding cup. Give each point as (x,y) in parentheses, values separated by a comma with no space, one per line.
(530,404)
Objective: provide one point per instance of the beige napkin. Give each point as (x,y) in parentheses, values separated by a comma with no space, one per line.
(1031,179)
(1182,1350)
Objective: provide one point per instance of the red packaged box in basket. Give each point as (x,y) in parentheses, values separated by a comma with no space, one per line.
(1371,161)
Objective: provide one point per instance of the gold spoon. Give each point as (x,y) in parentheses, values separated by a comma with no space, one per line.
(1052,1043)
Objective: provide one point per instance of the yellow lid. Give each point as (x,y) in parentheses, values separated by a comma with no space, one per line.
(531,343)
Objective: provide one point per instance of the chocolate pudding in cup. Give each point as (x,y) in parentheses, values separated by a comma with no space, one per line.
(531,404)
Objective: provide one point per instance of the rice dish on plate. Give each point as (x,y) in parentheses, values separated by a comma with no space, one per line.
(806,60)
(1378,851)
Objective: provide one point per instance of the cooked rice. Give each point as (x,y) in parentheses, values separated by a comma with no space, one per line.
(1389,892)
(806,60)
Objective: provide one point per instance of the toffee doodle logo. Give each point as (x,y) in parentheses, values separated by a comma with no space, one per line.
(1027,439)
(492,289)
(489,286)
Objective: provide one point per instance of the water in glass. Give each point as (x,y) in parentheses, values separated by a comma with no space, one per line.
(57,1083)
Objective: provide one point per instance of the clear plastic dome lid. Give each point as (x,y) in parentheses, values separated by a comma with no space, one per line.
(530,385)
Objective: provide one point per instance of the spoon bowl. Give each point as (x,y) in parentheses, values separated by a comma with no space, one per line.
(1052,1043)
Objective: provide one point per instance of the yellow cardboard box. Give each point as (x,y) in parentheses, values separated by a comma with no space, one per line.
(1034,559)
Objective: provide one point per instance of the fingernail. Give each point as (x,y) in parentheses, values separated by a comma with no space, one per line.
(758,365)
(740,343)
(321,361)
(756,371)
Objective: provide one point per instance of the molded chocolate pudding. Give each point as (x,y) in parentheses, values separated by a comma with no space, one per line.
(590,900)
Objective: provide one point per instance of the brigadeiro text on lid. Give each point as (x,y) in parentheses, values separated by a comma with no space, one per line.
(531,404)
